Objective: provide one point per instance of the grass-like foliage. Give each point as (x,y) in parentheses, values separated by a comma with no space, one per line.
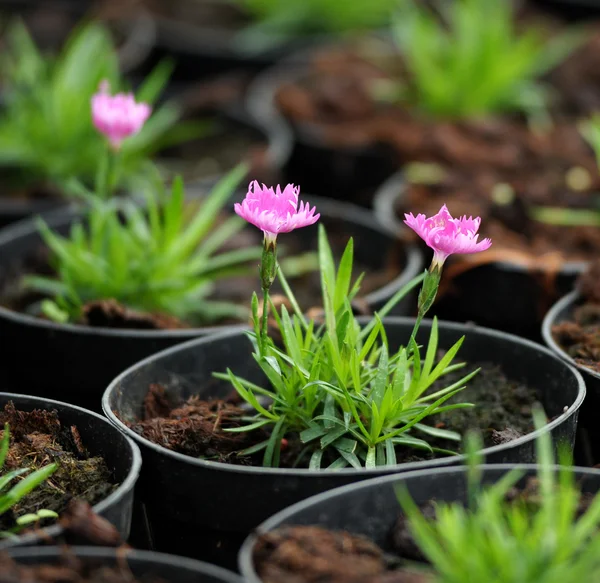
(46,130)
(338,386)
(468,59)
(21,486)
(276,21)
(541,538)
(149,258)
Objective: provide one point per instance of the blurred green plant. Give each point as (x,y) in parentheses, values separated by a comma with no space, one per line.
(277,21)
(46,130)
(549,534)
(468,59)
(20,489)
(148,258)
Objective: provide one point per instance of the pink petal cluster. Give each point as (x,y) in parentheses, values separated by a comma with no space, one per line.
(275,211)
(447,235)
(118,116)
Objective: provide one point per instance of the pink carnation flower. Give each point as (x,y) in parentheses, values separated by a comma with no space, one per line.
(447,235)
(118,116)
(274,211)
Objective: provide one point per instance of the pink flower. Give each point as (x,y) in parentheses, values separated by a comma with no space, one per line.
(274,211)
(118,116)
(446,235)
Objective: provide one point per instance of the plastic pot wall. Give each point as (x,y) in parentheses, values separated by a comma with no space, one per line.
(501,295)
(101,438)
(588,433)
(142,564)
(371,508)
(228,501)
(75,363)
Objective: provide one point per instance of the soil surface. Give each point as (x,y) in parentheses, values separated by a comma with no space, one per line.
(580,335)
(38,438)
(71,570)
(195,427)
(303,276)
(500,168)
(311,554)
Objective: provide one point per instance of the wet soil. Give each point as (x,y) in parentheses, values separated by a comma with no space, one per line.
(303,276)
(553,166)
(311,554)
(38,438)
(580,335)
(70,569)
(502,413)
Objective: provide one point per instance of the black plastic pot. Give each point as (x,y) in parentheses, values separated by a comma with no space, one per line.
(572,10)
(587,451)
(143,564)
(350,173)
(122,457)
(371,508)
(223,501)
(75,363)
(501,295)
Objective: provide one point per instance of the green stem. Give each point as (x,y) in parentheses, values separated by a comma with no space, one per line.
(265,321)
(427,295)
(268,272)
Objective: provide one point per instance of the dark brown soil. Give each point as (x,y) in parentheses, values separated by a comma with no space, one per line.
(37,439)
(311,554)
(553,167)
(580,336)
(71,570)
(502,413)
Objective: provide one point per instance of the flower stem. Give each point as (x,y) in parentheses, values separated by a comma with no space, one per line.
(268,272)
(427,295)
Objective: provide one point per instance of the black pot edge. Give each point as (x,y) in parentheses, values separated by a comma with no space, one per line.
(362,217)
(421,465)
(555,315)
(126,485)
(384,210)
(245,563)
(88,552)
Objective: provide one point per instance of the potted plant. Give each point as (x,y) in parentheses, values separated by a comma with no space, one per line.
(500,523)
(66,453)
(119,566)
(318,402)
(214,37)
(570,329)
(128,280)
(46,130)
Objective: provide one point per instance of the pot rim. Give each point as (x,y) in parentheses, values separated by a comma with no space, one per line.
(383,207)
(90,552)
(348,211)
(126,485)
(306,473)
(245,562)
(555,315)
